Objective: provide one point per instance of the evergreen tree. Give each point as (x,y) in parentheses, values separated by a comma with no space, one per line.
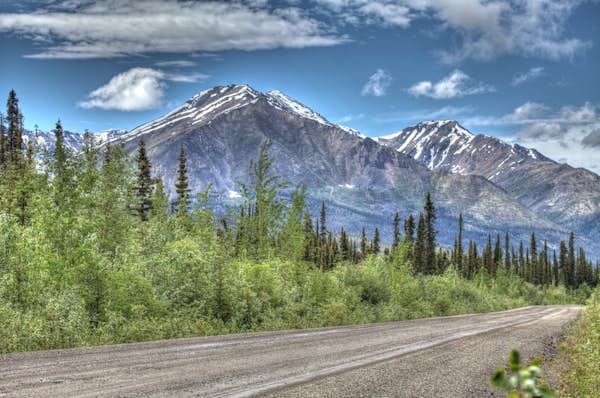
(506,252)
(458,245)
(571,262)
(293,234)
(430,236)
(497,254)
(145,183)
(60,152)
(323,231)
(376,244)
(262,194)
(533,268)
(3,144)
(363,243)
(419,258)
(345,248)
(396,232)
(409,233)
(182,202)
(488,257)
(15,129)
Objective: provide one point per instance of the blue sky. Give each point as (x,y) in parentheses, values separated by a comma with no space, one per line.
(522,70)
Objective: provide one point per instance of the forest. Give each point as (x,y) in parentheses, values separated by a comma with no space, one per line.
(95,250)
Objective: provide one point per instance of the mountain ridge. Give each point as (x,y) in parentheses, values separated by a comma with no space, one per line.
(363,180)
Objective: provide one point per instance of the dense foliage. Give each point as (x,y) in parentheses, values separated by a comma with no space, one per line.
(94,251)
(581,378)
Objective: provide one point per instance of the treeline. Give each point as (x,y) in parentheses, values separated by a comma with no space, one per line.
(93,249)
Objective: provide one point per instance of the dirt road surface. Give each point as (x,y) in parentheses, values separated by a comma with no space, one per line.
(433,357)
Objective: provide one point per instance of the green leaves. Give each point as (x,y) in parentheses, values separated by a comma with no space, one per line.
(524,381)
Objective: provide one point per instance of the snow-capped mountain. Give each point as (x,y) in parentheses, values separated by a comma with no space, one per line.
(497,186)
(569,196)
(446,145)
(44,140)
(362,181)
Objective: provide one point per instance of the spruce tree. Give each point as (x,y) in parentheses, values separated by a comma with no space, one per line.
(534,263)
(506,252)
(182,202)
(458,256)
(60,152)
(497,254)
(14,119)
(430,236)
(323,223)
(3,144)
(488,257)
(376,243)
(344,245)
(363,243)
(419,257)
(396,233)
(145,184)
(571,261)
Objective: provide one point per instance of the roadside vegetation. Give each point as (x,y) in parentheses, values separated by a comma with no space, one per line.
(93,250)
(581,379)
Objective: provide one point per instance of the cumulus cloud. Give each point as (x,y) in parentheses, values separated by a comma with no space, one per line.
(82,29)
(531,74)
(456,84)
(485,29)
(136,89)
(377,84)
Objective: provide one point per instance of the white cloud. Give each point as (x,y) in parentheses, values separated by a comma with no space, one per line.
(531,74)
(350,118)
(377,84)
(83,29)
(456,84)
(484,29)
(136,89)
(186,78)
(176,64)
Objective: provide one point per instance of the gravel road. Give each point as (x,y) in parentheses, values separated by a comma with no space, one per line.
(433,357)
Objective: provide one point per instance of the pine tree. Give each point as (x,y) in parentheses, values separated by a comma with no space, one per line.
(506,252)
(3,144)
(363,243)
(344,245)
(419,258)
(458,246)
(430,235)
(145,183)
(487,256)
(396,233)
(534,263)
(323,223)
(15,129)
(376,244)
(497,254)
(571,262)
(60,152)
(182,202)
(409,233)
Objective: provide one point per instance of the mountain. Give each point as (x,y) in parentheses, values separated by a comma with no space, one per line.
(566,195)
(363,182)
(45,140)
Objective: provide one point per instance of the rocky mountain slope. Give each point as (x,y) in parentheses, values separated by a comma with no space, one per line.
(566,195)
(363,181)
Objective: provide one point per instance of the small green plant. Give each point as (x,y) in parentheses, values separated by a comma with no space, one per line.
(523,382)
